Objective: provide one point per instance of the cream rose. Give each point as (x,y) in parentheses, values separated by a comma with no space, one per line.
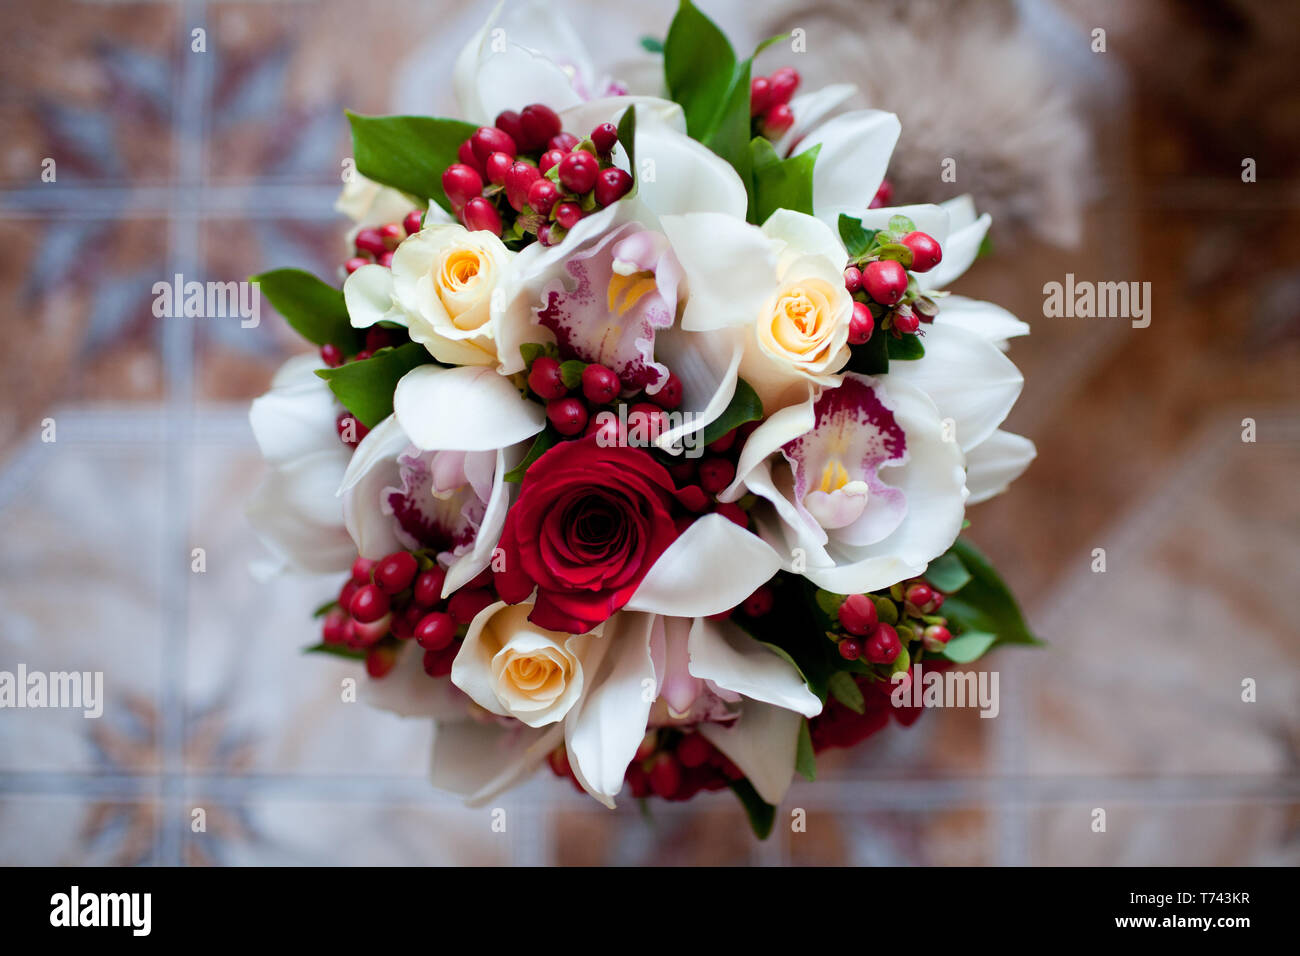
(514,668)
(805,325)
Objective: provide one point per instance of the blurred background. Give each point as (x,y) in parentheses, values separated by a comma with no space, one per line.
(1122,164)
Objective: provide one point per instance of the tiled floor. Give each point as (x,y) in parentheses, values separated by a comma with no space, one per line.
(217,165)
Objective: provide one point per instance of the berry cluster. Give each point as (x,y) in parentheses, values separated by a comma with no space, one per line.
(883,629)
(884,294)
(375,244)
(769,102)
(526,177)
(670,763)
(399,598)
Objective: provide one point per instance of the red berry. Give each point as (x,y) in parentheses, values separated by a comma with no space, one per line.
(683,472)
(883,646)
(600,385)
(392,234)
(665,775)
(428,587)
(438,663)
(723,444)
(334,629)
(355,263)
(648,420)
(380,660)
(464,605)
(784,82)
(549,159)
(850,648)
(861,325)
(604,136)
(369,604)
(481,214)
(612,185)
(578,172)
(331,355)
(716,474)
(852,279)
(562,141)
(496,166)
(693,750)
(733,513)
(435,631)
(936,638)
(461,183)
(558,761)
(885,281)
(488,140)
(540,124)
(906,322)
(369,240)
(395,572)
(926,253)
(776,121)
(884,195)
(760,95)
(567,214)
(759,603)
(412,222)
(544,234)
(365,634)
(361,569)
(606,428)
(857,614)
(545,380)
(508,121)
(519,178)
(350,429)
(378,337)
(345,594)
(669,395)
(364,353)
(465,154)
(542,195)
(386,260)
(919,595)
(568,415)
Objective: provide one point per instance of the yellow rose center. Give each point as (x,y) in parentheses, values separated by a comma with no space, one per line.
(801,322)
(457,279)
(536,676)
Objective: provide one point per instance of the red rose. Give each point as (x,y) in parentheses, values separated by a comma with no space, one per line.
(589,523)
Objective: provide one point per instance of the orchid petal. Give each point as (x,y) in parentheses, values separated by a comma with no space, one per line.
(296,515)
(855,151)
(810,109)
(297,416)
(763,743)
(730,269)
(408,691)
(996,462)
(480,760)
(990,322)
(470,408)
(723,653)
(368,296)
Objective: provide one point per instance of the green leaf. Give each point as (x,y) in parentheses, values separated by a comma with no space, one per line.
(745,406)
(366,388)
(985,604)
(947,573)
(830,603)
(545,439)
(969,646)
(571,372)
(805,760)
(857,240)
(872,357)
(652,44)
(408,153)
(325,608)
(313,308)
(781,183)
(337,650)
(699,66)
(901,224)
(908,348)
(627,138)
(844,689)
(761,813)
(775,38)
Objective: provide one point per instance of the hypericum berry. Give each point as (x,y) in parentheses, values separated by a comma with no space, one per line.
(578,171)
(392,234)
(857,615)
(733,513)
(496,166)
(852,279)
(568,415)
(647,420)
(604,136)
(483,579)
(683,471)
(362,355)
(612,185)
(331,355)
(669,395)
(784,82)
(488,140)
(542,195)
(850,648)
(355,263)
(544,234)
(760,95)
(548,159)
(758,603)
(562,141)
(540,124)
(519,179)
(600,385)
(380,660)
(723,445)
(693,750)
(465,604)
(369,604)
(386,260)
(461,183)
(395,572)
(926,253)
(361,569)
(605,426)
(334,629)
(412,222)
(919,595)
(883,646)
(884,195)
(716,474)
(378,337)
(885,281)
(350,429)
(545,380)
(435,631)
(935,638)
(558,761)
(665,775)
(508,121)
(365,634)
(369,240)
(567,214)
(438,663)
(861,325)
(481,214)
(906,321)
(776,121)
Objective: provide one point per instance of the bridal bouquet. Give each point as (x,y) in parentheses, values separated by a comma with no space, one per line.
(641,430)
